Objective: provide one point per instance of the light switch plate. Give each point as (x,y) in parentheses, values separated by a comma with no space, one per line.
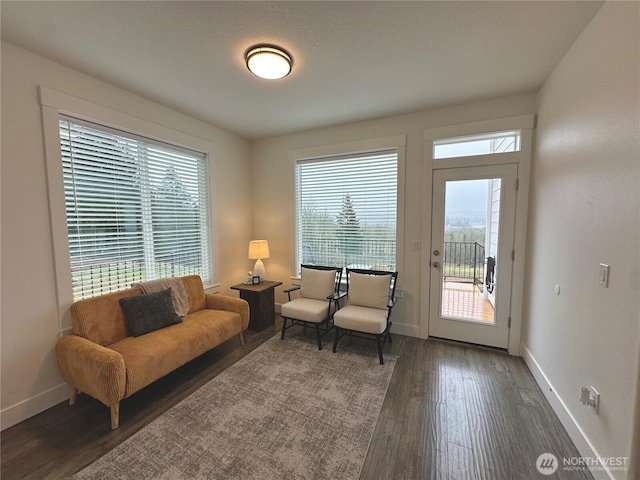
(603,278)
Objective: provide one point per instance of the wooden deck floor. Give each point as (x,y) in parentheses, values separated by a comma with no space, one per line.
(452,411)
(464,300)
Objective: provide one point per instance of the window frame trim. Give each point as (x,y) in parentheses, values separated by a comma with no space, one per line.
(397,142)
(472,139)
(53,104)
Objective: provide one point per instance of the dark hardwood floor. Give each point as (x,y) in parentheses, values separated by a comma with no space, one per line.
(452,411)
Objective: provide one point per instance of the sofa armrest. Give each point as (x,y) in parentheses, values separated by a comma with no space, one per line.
(230,304)
(91,368)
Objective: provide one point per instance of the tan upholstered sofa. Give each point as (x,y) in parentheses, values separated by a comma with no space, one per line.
(102,358)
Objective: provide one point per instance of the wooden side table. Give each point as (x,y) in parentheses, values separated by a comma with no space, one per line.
(262,306)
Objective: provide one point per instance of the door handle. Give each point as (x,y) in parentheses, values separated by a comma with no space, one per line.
(435,265)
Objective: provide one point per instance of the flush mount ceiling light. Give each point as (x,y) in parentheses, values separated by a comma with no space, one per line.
(268,61)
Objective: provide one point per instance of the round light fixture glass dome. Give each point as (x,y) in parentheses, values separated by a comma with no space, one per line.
(267,61)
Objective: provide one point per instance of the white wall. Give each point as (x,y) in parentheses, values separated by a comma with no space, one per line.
(584,211)
(273,188)
(30,380)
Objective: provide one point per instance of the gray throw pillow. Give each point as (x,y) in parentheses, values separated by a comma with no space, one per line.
(149,312)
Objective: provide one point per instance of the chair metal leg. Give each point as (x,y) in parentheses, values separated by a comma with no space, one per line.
(335,340)
(319,335)
(284,327)
(379,342)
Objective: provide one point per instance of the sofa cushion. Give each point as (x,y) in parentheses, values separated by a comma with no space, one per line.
(151,356)
(149,312)
(195,291)
(100,318)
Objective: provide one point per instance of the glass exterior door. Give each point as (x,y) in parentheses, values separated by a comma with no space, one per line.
(472,241)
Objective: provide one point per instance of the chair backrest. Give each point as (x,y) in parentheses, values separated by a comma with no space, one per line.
(371,288)
(318,282)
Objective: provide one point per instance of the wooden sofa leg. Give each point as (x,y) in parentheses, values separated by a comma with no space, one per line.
(241,337)
(115,416)
(73,394)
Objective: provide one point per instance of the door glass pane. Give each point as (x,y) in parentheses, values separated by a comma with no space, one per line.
(472,210)
(471,145)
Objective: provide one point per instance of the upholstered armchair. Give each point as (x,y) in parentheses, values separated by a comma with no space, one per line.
(371,296)
(318,299)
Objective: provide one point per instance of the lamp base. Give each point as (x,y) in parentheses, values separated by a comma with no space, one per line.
(258,270)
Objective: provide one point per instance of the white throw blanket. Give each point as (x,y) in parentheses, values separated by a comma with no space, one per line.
(178,292)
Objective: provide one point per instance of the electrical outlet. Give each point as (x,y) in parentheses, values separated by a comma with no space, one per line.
(590,397)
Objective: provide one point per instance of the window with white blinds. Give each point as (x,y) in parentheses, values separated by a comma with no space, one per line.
(346,209)
(137,209)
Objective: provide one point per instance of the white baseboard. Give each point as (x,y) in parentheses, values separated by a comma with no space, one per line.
(14,414)
(577,435)
(405,329)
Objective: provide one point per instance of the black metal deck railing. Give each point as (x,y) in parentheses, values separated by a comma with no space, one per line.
(463,262)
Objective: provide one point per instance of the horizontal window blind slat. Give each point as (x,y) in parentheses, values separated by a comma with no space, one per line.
(136,209)
(79,125)
(346,208)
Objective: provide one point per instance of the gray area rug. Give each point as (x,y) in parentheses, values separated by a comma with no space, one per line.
(285,411)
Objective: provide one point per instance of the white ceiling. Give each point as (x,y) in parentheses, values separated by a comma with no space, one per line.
(352,60)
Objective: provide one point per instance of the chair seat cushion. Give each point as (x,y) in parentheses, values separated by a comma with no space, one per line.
(306,309)
(361,319)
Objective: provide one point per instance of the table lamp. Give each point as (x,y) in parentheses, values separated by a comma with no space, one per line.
(258,249)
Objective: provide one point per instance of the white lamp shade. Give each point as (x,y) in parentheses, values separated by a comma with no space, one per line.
(258,249)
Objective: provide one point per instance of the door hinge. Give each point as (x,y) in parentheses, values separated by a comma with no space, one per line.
(517,184)
(509,322)
(513,255)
